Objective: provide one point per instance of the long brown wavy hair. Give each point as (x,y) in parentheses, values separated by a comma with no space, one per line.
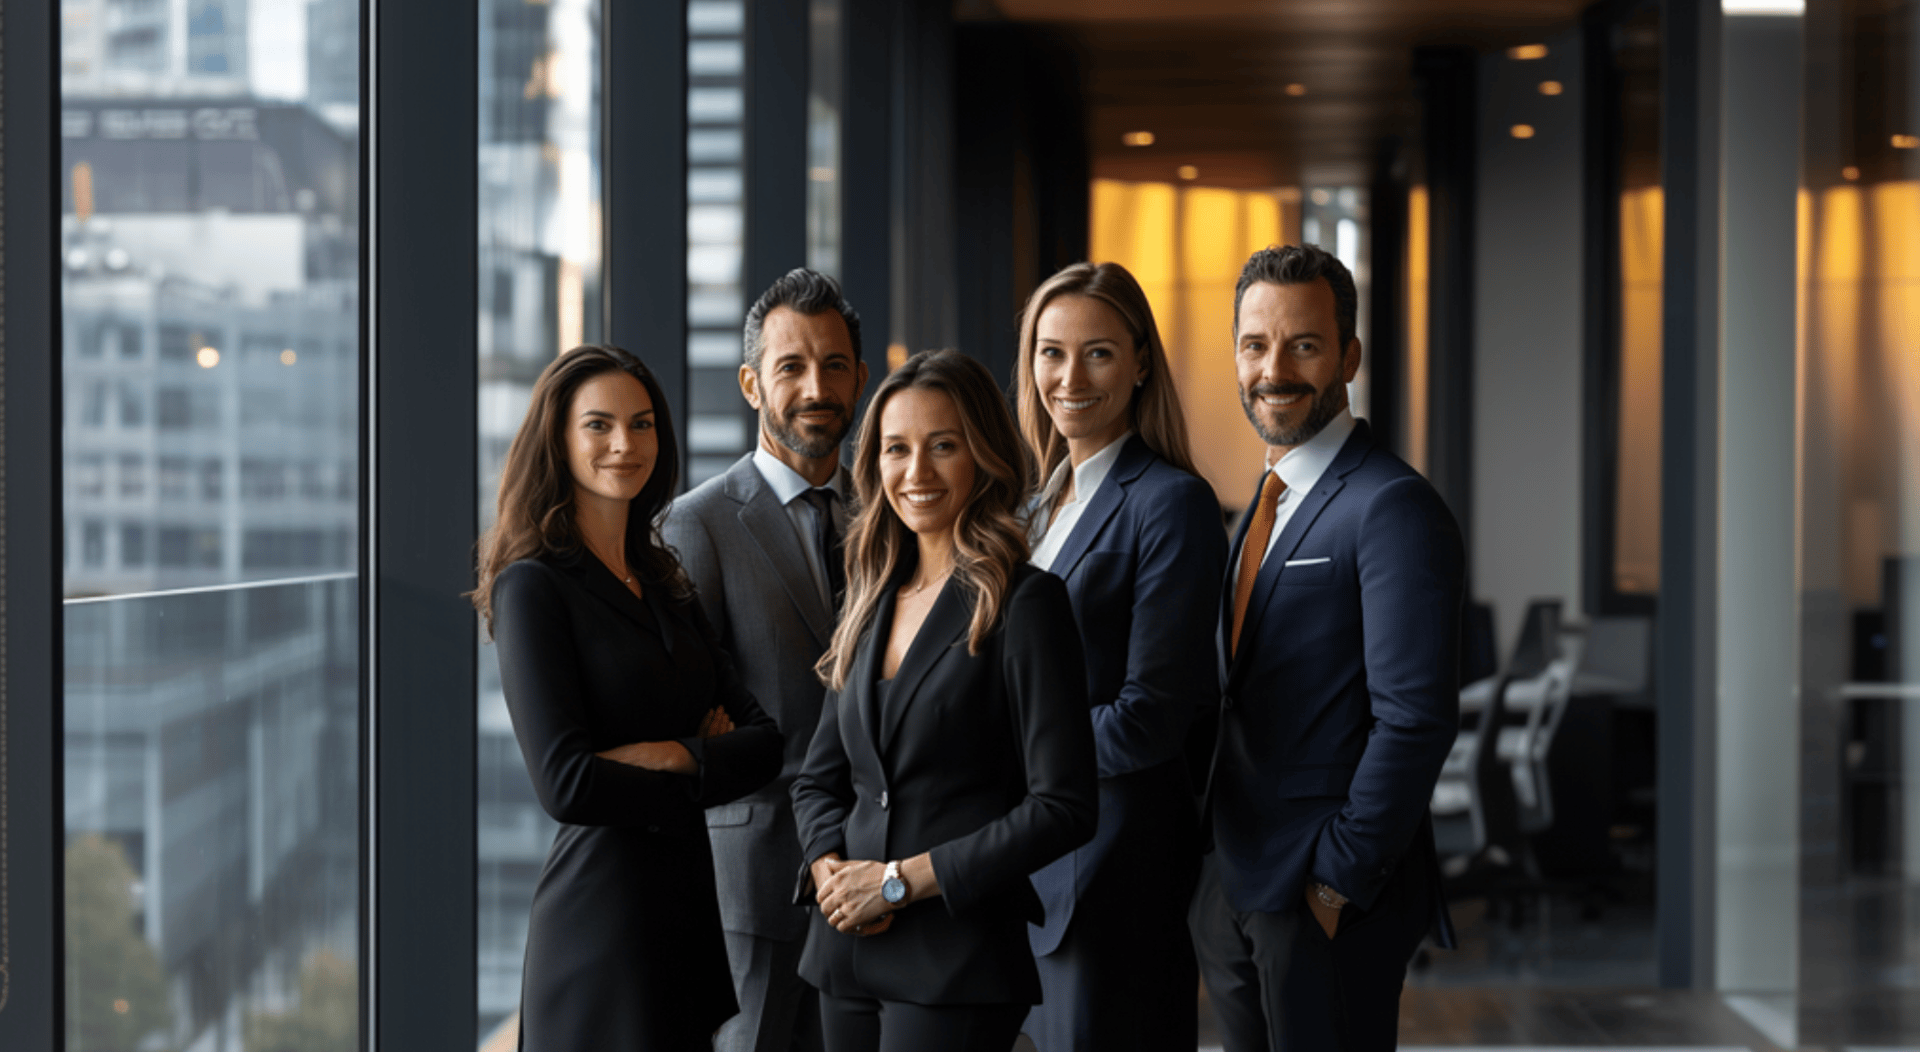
(989,541)
(1155,408)
(535,509)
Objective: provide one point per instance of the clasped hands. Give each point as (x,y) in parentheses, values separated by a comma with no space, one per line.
(849,894)
(670,756)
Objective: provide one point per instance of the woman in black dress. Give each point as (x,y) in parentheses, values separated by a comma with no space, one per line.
(955,751)
(630,718)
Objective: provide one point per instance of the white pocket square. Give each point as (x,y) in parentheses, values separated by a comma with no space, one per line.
(1308,562)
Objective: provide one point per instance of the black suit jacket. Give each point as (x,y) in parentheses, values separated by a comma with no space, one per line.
(986,760)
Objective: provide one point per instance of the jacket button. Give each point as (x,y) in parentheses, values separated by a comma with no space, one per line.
(883,799)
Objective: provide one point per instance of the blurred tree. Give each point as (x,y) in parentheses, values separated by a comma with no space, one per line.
(327,1018)
(116,989)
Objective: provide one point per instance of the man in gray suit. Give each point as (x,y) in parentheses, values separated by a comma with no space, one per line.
(762,544)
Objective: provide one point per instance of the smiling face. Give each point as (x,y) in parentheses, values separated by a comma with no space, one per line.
(807,382)
(1287,355)
(1085,367)
(926,467)
(611,443)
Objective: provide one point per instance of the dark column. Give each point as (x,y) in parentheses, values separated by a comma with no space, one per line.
(924,305)
(422,518)
(1689,485)
(776,141)
(32,822)
(1385,350)
(1449,101)
(866,175)
(646,190)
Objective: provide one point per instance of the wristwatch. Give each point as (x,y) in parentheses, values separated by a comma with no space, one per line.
(893,887)
(1329,897)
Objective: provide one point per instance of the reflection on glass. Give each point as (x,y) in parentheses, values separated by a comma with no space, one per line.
(1860,527)
(824,106)
(540,293)
(718,421)
(210,371)
(1636,510)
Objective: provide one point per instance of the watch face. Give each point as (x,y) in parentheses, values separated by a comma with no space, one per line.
(894,891)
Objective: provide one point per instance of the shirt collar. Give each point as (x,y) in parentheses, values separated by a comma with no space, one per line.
(1090,474)
(1303,465)
(787,484)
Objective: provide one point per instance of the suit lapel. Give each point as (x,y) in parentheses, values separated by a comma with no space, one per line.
(1352,452)
(768,524)
(866,669)
(945,623)
(594,576)
(1134,458)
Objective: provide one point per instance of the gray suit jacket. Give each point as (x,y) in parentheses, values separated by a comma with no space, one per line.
(739,546)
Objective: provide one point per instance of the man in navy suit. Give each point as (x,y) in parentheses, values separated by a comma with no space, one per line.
(1338,648)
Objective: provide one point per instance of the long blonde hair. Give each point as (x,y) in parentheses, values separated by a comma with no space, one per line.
(989,538)
(1155,408)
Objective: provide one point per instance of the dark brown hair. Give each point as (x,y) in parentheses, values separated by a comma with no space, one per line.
(1155,409)
(989,539)
(1304,265)
(535,509)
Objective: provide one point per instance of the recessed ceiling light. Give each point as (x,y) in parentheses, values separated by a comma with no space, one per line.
(1188,171)
(1527,52)
(1552,87)
(1296,90)
(1906,142)
(1138,138)
(1522,131)
(1850,173)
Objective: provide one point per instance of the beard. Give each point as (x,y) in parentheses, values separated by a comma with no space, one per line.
(1325,404)
(813,441)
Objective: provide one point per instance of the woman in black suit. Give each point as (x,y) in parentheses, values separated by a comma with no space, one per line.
(1136,534)
(954,754)
(630,717)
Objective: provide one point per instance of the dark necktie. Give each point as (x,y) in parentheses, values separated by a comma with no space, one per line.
(827,543)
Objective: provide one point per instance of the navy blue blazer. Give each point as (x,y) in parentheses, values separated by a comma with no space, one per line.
(1339,709)
(1143,568)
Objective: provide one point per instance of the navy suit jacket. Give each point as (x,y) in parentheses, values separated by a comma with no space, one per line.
(1143,568)
(1339,708)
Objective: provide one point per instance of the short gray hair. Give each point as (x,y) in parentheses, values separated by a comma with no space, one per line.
(807,291)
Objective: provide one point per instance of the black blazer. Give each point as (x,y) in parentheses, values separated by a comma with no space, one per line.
(624,947)
(986,761)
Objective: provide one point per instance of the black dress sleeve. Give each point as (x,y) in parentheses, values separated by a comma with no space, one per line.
(538,672)
(1045,677)
(746,758)
(822,794)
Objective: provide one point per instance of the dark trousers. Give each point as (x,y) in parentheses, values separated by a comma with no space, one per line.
(862,1024)
(1278,984)
(779,1011)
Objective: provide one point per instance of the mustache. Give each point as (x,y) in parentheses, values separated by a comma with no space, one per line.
(1282,390)
(815,407)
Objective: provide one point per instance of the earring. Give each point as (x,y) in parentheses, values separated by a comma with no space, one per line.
(1139,383)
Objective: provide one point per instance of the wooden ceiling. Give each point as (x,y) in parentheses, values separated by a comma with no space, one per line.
(1209,78)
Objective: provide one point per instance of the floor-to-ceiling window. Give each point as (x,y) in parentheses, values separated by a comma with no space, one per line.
(1859,485)
(210,292)
(540,293)
(718,422)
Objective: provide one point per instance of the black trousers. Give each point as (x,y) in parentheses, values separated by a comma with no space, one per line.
(862,1024)
(1278,984)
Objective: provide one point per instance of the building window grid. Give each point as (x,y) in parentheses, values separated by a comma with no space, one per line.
(717,427)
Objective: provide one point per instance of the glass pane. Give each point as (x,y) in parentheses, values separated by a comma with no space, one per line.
(1636,538)
(209,237)
(1860,526)
(540,293)
(824,105)
(719,424)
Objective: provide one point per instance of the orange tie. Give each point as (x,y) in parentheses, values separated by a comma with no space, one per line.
(1259,531)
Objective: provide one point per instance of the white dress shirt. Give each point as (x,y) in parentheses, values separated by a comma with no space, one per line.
(788,486)
(1086,482)
(1301,469)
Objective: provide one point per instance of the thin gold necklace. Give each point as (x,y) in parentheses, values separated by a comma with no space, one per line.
(924,585)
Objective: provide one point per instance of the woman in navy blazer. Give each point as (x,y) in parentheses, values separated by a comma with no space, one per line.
(1137,535)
